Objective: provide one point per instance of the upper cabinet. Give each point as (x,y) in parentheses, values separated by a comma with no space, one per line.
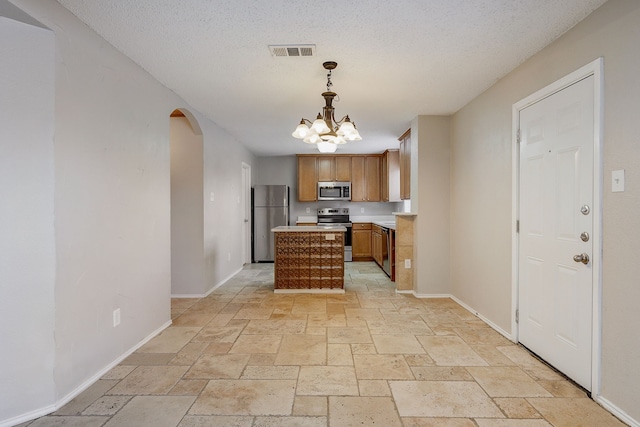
(390,177)
(365,178)
(307,179)
(364,172)
(334,168)
(405,165)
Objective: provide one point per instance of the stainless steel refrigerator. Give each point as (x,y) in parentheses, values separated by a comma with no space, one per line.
(270,209)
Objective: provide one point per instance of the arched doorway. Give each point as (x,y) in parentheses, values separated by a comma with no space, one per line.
(187,210)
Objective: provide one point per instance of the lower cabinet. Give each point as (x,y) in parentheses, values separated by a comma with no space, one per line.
(376,243)
(361,241)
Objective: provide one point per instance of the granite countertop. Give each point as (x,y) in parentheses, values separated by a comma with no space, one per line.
(308,228)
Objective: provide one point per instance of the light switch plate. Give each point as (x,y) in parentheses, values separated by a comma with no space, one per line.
(617,181)
(116,317)
(407,263)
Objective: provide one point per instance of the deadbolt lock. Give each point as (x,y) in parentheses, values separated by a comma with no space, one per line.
(585,209)
(584,236)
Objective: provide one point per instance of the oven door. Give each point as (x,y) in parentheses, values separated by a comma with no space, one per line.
(348,249)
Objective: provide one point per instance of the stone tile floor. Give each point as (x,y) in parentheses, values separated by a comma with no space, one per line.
(246,357)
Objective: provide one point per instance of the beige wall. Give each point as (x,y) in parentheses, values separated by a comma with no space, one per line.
(187,210)
(430,136)
(102,184)
(481,188)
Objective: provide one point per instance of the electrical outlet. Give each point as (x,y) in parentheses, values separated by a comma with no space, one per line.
(361,210)
(407,263)
(228,256)
(212,197)
(116,317)
(308,210)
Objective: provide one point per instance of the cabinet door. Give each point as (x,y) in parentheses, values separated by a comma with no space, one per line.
(326,168)
(307,179)
(361,243)
(384,177)
(372,178)
(376,251)
(390,181)
(357,179)
(343,168)
(405,165)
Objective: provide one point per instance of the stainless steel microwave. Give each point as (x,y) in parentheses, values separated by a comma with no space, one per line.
(340,190)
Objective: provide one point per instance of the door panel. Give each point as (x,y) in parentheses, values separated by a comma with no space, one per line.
(556,180)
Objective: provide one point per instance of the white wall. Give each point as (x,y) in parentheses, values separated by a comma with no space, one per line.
(481,188)
(27,245)
(187,210)
(108,199)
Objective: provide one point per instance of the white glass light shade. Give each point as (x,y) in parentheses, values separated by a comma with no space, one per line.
(327,147)
(312,138)
(301,132)
(339,140)
(346,128)
(353,136)
(320,126)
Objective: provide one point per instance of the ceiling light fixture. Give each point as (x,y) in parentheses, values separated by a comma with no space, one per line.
(325,130)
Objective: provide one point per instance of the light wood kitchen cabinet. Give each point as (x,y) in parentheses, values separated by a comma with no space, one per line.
(365,178)
(405,165)
(307,179)
(390,176)
(343,168)
(376,244)
(361,241)
(334,168)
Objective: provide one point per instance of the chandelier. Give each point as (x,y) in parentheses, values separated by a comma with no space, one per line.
(325,130)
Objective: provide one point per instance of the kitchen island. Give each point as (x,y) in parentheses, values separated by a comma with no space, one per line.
(309,259)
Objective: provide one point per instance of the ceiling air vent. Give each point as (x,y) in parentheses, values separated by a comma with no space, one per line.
(293,50)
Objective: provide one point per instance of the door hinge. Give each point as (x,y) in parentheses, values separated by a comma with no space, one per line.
(517,316)
(518,136)
(517,225)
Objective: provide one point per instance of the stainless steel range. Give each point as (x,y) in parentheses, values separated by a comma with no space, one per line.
(338,216)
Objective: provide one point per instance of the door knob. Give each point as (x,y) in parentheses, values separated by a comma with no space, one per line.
(584,236)
(583,258)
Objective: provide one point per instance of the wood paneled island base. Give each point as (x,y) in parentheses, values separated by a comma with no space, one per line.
(309,259)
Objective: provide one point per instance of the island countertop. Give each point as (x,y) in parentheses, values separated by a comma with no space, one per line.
(309,228)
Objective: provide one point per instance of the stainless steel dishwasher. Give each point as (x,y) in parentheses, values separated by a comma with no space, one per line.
(386,246)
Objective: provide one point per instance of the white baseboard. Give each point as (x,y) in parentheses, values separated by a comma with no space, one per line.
(22,418)
(485,320)
(216,286)
(468,308)
(606,404)
(82,387)
(85,385)
(617,412)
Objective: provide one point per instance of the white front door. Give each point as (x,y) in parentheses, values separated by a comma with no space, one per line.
(556,202)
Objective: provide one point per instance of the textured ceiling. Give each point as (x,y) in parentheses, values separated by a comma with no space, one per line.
(396,59)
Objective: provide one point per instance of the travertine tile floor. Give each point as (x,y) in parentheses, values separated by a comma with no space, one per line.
(245,356)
